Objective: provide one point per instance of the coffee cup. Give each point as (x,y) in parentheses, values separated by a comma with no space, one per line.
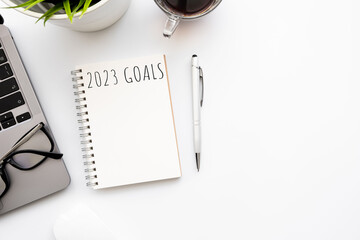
(177,10)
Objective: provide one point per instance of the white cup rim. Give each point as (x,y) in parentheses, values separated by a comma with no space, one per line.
(55,16)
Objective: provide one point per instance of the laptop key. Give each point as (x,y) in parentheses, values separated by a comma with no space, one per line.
(12,101)
(8,86)
(23,117)
(2,56)
(5,71)
(6,116)
(8,123)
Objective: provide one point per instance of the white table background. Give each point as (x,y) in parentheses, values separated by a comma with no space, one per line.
(281,122)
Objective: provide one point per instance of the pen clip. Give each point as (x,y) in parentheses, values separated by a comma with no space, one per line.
(201,78)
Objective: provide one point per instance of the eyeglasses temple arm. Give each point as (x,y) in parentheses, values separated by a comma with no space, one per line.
(22,141)
(41,153)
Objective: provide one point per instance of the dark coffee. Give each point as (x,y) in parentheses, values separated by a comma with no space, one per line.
(188,7)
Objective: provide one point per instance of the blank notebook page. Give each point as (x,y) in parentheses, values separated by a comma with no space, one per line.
(128,104)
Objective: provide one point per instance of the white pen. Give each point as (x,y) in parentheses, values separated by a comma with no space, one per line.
(198,95)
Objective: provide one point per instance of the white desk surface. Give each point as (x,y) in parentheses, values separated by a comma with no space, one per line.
(281,122)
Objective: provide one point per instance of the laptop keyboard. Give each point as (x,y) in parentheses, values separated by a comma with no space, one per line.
(10,95)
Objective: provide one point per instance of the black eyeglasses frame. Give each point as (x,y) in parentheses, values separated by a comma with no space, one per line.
(9,159)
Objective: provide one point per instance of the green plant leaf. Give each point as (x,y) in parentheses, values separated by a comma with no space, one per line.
(25,4)
(33,3)
(76,9)
(51,12)
(86,5)
(68,9)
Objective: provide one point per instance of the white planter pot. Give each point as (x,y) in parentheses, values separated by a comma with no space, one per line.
(97,17)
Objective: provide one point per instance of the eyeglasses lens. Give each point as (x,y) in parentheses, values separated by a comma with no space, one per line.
(2,186)
(39,142)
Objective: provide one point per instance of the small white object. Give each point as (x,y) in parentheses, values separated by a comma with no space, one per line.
(81,223)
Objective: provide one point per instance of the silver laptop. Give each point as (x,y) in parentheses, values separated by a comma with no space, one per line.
(20,112)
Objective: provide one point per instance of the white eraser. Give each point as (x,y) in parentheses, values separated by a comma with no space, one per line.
(81,223)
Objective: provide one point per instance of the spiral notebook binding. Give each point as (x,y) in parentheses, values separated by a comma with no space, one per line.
(84,128)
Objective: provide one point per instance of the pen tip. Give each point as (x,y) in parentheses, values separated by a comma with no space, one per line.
(197,155)
(194,55)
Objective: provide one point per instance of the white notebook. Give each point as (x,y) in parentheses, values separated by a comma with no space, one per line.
(126,121)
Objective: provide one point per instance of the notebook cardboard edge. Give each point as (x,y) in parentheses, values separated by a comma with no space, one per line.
(172,113)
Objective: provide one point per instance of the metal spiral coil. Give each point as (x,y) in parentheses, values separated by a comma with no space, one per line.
(84,128)
(75,79)
(86,149)
(83,120)
(78,93)
(78,85)
(87,163)
(74,72)
(84,135)
(87,156)
(88,177)
(79,100)
(90,170)
(82,114)
(79,107)
(92,184)
(85,142)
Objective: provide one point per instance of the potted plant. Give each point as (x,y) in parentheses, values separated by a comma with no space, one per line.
(79,15)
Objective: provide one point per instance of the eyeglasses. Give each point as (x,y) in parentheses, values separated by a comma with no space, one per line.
(30,151)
